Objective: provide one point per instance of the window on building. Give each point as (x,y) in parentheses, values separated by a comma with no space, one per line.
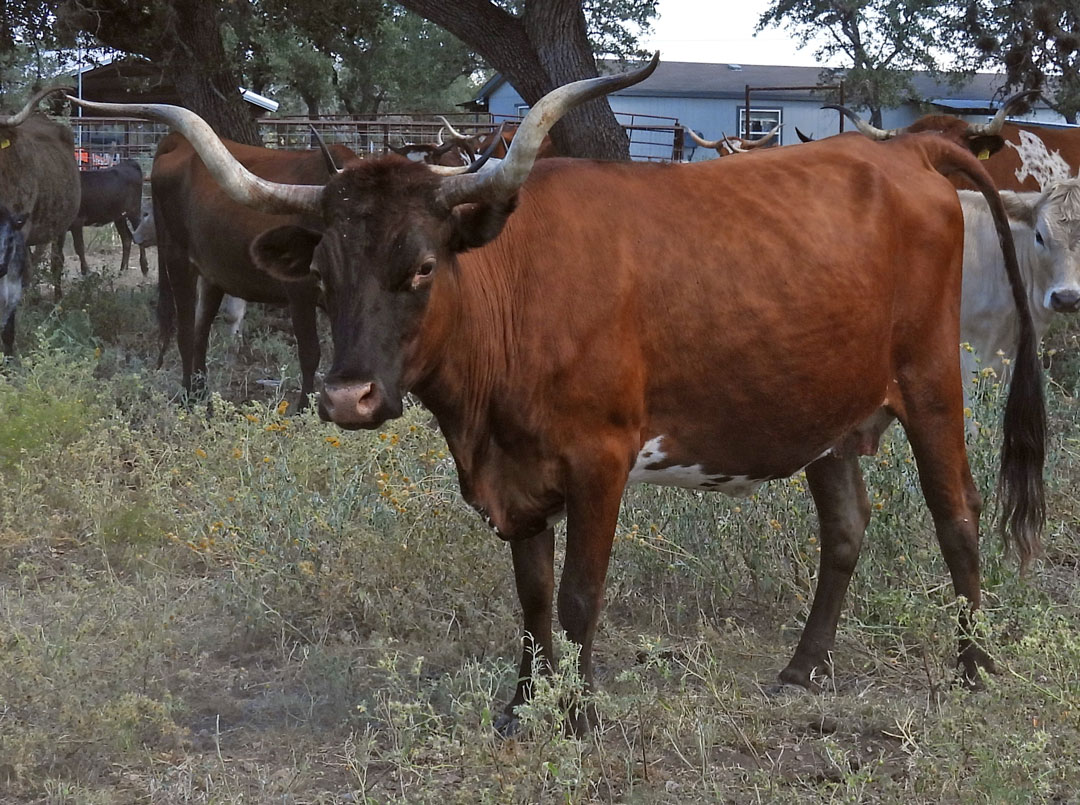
(522,109)
(762,121)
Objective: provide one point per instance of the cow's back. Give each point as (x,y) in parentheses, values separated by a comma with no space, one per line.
(110,193)
(633,336)
(38,175)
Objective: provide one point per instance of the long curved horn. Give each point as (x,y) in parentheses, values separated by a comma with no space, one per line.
(331,165)
(453,132)
(477,164)
(731,145)
(21,116)
(994,126)
(873,132)
(713,144)
(506,180)
(438,137)
(480,161)
(240,184)
(806,138)
(750,145)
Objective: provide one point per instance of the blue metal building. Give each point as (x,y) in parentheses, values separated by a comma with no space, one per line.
(711,99)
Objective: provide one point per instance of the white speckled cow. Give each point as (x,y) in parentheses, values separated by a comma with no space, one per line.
(1046,229)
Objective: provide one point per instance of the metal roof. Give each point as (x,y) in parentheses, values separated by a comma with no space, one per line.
(677,79)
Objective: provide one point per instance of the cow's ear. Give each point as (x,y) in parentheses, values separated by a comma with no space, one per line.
(1019,206)
(476,224)
(985,146)
(285,253)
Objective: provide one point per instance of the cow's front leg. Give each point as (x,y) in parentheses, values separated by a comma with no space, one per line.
(594,492)
(534,575)
(836,482)
(302,309)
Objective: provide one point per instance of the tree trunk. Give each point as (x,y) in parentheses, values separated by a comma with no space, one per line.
(544,48)
(183,37)
(557,30)
(204,78)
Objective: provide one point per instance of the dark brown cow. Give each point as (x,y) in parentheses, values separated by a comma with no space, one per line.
(110,196)
(201,232)
(589,343)
(38,176)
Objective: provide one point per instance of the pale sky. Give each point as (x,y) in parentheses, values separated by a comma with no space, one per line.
(722,31)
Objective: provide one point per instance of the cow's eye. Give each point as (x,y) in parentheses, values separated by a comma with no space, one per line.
(424,273)
(1039,238)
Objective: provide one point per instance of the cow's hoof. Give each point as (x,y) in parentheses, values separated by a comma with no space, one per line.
(507,725)
(971,661)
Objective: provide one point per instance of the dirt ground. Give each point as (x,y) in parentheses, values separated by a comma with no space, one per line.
(251,606)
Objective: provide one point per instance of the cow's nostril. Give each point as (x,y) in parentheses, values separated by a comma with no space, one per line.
(1065,301)
(353,404)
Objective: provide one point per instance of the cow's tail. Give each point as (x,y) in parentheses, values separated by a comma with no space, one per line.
(1021,494)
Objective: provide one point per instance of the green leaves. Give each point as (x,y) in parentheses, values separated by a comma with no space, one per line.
(878,42)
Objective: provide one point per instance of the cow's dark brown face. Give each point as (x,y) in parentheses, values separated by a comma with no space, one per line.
(389,247)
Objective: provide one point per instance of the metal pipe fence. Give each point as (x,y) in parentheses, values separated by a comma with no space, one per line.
(101,142)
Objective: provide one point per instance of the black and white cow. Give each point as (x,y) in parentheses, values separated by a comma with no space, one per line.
(13,268)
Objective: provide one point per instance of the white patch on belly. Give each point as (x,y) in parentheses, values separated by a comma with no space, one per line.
(686,476)
(1037,162)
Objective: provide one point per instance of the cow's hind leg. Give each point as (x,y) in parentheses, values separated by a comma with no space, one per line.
(7,337)
(125,243)
(80,249)
(534,574)
(56,264)
(177,280)
(209,300)
(935,428)
(836,482)
(166,312)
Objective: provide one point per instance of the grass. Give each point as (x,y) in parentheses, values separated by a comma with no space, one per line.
(256,607)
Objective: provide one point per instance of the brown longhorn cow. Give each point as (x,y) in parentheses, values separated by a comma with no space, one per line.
(570,340)
(39,180)
(726,146)
(498,141)
(203,234)
(450,154)
(458,150)
(1018,156)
